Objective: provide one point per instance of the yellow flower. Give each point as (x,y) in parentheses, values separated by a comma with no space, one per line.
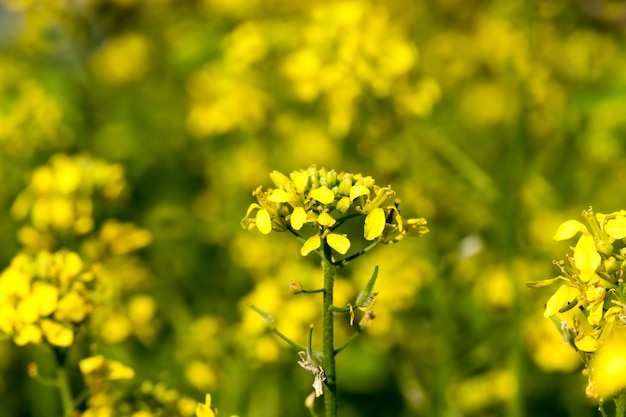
(608,367)
(324,199)
(205,410)
(56,333)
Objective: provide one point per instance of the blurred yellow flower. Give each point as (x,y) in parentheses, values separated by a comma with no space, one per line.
(123,59)
(45,297)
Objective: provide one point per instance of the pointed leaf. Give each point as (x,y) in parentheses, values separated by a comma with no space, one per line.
(340,243)
(367,291)
(568,229)
(374,223)
(298,218)
(311,244)
(263,221)
(323,195)
(543,282)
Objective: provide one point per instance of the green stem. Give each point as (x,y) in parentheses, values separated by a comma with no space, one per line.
(65,391)
(362,252)
(330,394)
(620,405)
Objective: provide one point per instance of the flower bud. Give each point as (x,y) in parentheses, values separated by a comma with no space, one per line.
(295,286)
(331,178)
(344,186)
(309,402)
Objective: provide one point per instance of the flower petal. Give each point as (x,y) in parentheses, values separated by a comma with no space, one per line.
(374,223)
(568,229)
(56,333)
(343,204)
(298,218)
(616,228)
(300,180)
(358,190)
(326,219)
(563,296)
(586,257)
(280,196)
(263,221)
(586,343)
(279,178)
(323,195)
(311,244)
(340,243)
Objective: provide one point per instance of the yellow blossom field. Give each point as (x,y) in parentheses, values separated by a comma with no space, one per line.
(204,202)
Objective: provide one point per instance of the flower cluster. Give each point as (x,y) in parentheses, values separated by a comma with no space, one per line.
(45,298)
(60,198)
(323,200)
(108,398)
(590,304)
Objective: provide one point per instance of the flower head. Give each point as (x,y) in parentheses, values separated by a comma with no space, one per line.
(45,298)
(314,203)
(592,280)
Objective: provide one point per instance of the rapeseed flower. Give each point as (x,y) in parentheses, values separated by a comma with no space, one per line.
(46,298)
(314,203)
(589,306)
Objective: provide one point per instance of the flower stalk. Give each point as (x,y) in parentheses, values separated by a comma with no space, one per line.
(313,205)
(330,397)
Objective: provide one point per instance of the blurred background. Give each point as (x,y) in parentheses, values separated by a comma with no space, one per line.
(495,120)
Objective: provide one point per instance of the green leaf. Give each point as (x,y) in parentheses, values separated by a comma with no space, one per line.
(367,291)
(543,282)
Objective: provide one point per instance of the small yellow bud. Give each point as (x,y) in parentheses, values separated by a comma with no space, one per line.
(33,369)
(295,286)
(309,402)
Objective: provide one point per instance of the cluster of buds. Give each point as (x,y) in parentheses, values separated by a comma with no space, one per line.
(589,307)
(313,203)
(45,298)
